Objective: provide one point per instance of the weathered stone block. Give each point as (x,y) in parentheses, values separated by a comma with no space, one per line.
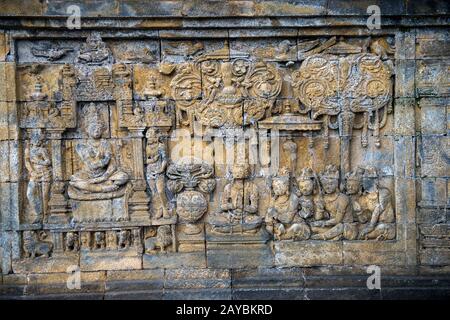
(9,206)
(4,45)
(432,78)
(268,278)
(433,7)
(404,116)
(61,262)
(7,76)
(238,256)
(134,8)
(433,120)
(404,160)
(336,7)
(95,8)
(194,279)
(56,283)
(311,253)
(404,80)
(15,8)
(171,260)
(148,282)
(433,155)
(97,260)
(405,45)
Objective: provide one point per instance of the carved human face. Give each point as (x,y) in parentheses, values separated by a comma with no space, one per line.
(152,140)
(305,186)
(329,184)
(37,140)
(352,186)
(280,187)
(94,130)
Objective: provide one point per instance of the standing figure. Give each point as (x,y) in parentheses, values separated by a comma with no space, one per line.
(377,202)
(340,223)
(156,166)
(239,204)
(282,217)
(38,164)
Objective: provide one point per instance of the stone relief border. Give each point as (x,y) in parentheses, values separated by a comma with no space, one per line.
(210,86)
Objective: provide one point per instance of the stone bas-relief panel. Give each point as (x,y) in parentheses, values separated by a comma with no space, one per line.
(121,166)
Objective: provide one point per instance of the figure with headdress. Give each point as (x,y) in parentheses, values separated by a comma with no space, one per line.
(239,204)
(282,217)
(310,204)
(38,163)
(340,224)
(376,202)
(100,176)
(94,51)
(353,189)
(156,166)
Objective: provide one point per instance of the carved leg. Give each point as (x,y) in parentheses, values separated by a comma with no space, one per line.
(158,213)
(382,232)
(34,200)
(160,187)
(45,198)
(332,233)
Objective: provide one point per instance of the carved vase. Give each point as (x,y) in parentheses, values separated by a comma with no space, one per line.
(191,206)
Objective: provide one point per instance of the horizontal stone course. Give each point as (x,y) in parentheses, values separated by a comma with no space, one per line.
(243,8)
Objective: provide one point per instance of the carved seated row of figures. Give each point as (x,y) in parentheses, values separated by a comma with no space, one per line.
(40,244)
(314,206)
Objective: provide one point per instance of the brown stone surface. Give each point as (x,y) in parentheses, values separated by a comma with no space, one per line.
(224,149)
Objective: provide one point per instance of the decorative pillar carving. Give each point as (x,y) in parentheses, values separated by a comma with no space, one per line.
(58,204)
(139,202)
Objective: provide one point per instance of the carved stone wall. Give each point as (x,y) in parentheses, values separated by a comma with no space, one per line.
(282,142)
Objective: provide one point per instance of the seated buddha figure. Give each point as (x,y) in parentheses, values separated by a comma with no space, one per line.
(339,222)
(94,51)
(239,205)
(283,219)
(376,203)
(100,177)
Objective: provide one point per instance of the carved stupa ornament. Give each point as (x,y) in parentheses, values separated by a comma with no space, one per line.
(42,112)
(339,89)
(222,90)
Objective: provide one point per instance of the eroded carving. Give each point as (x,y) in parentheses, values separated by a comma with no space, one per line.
(239,205)
(234,91)
(157,160)
(50,51)
(35,245)
(94,51)
(100,176)
(38,163)
(283,218)
(191,181)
